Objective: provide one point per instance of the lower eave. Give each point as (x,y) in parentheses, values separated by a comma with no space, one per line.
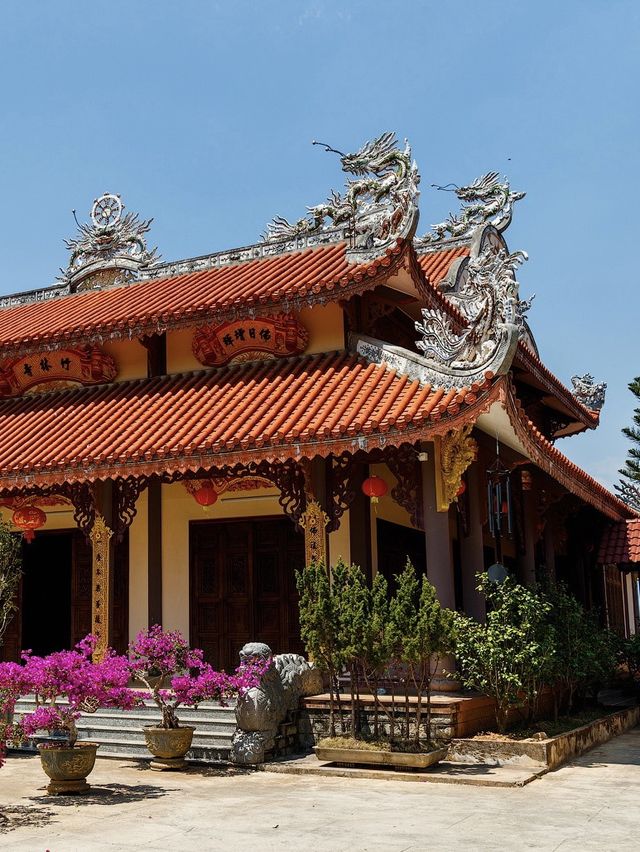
(264,411)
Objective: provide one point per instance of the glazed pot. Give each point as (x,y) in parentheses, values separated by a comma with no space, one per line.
(68,767)
(168,746)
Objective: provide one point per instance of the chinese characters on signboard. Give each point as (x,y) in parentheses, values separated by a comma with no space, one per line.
(87,365)
(247,340)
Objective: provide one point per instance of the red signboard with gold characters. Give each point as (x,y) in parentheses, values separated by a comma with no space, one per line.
(249,339)
(56,368)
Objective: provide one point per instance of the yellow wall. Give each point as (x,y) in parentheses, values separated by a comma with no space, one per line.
(180,357)
(178,508)
(339,543)
(386,509)
(58,517)
(325,324)
(130,357)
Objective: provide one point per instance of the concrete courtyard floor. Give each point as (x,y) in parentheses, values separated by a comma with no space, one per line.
(591,804)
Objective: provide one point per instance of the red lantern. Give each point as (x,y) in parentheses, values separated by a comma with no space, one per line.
(29,519)
(206,495)
(374,487)
(462,488)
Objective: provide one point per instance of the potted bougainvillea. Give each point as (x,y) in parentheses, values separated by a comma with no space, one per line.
(175,675)
(64,684)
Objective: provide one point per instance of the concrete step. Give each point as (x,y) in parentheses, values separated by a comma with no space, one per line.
(119,733)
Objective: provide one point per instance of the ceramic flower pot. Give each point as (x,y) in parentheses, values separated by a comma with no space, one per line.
(68,767)
(168,746)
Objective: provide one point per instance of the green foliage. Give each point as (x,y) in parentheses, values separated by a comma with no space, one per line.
(10,573)
(631,469)
(584,653)
(510,655)
(629,653)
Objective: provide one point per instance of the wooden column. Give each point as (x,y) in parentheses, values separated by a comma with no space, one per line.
(102,579)
(154,551)
(472,546)
(437,536)
(527,560)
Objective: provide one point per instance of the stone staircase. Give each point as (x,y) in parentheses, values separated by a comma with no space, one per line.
(120,735)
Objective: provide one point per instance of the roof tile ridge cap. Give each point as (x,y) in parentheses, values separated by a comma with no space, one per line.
(590,412)
(565,460)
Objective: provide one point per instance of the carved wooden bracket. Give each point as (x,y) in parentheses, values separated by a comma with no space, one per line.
(454,452)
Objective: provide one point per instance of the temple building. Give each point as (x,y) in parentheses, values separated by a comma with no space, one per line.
(176,438)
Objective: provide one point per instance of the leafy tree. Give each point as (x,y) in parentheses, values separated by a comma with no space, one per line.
(378,649)
(352,607)
(628,489)
(510,655)
(10,573)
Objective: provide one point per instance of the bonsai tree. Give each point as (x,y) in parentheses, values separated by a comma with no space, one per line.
(508,657)
(64,676)
(423,632)
(10,573)
(319,626)
(175,674)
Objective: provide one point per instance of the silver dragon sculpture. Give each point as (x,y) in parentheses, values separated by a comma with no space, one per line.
(589,392)
(374,204)
(488,200)
(487,296)
(109,237)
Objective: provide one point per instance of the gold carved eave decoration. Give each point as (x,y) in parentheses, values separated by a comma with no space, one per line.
(55,369)
(454,452)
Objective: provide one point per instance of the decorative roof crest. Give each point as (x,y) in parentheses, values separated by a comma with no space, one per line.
(485,201)
(110,249)
(484,289)
(377,207)
(589,392)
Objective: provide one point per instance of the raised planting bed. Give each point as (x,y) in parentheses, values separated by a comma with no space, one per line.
(359,753)
(549,752)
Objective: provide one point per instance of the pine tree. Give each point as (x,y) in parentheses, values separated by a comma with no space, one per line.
(628,489)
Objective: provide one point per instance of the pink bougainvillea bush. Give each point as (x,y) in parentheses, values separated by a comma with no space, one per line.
(175,674)
(64,683)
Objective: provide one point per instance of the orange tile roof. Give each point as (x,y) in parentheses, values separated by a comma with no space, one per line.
(435,264)
(295,279)
(620,543)
(548,458)
(264,410)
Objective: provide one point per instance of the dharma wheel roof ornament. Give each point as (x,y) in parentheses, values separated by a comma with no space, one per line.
(486,201)
(109,250)
(589,392)
(378,206)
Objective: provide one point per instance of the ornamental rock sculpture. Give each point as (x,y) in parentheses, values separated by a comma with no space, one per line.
(485,201)
(377,207)
(261,710)
(589,392)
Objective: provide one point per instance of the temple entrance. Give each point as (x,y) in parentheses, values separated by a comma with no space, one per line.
(54,598)
(243,586)
(46,592)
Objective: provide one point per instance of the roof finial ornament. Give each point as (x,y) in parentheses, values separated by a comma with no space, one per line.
(109,250)
(589,392)
(487,200)
(377,207)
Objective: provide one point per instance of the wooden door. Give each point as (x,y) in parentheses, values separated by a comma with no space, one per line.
(243,586)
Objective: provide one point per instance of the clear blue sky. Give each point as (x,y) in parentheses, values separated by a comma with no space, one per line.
(201,114)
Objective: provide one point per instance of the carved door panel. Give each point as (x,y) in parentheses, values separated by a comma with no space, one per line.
(80,588)
(243,586)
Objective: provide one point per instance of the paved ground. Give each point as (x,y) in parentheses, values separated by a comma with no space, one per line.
(592,804)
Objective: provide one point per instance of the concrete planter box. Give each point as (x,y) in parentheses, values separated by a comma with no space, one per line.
(380,758)
(549,753)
